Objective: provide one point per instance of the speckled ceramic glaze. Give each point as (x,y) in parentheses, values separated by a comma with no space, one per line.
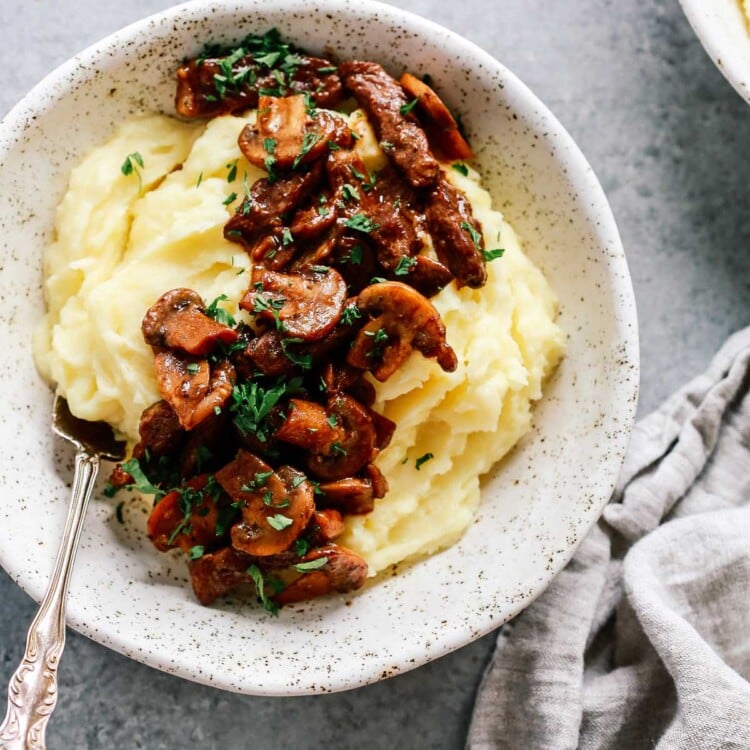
(536,505)
(724,33)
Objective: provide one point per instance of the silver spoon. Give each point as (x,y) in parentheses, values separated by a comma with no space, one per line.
(32,693)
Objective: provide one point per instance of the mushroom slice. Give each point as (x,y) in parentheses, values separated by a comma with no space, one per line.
(306,304)
(286,135)
(351,496)
(191,387)
(217,573)
(325,570)
(177,320)
(275,506)
(428,276)
(324,527)
(309,425)
(444,130)
(404,320)
(184,518)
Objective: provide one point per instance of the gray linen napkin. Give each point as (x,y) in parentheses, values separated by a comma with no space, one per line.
(643,641)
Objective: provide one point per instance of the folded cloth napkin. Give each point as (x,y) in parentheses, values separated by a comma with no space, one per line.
(643,640)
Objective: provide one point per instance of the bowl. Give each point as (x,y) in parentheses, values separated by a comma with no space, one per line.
(537,505)
(724,33)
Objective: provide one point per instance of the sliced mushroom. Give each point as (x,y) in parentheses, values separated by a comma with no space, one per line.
(351,496)
(307,304)
(177,321)
(185,518)
(404,320)
(286,135)
(275,506)
(456,235)
(311,426)
(444,128)
(217,573)
(356,447)
(341,572)
(324,527)
(191,387)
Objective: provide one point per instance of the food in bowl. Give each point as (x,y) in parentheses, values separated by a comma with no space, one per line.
(198,290)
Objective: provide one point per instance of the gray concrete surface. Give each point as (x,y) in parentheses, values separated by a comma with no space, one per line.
(668,138)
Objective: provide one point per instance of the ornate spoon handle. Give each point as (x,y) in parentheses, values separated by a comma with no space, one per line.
(32,693)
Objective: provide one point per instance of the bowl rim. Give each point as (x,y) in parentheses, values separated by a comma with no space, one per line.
(582,179)
(707,27)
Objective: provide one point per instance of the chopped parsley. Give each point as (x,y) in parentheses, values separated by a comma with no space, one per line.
(327,69)
(232,174)
(193,368)
(200,179)
(252,403)
(476,238)
(196,552)
(279,522)
(460,168)
(302,359)
(350,314)
(349,192)
(332,420)
(422,460)
(316,564)
(489,255)
(337,449)
(141,483)
(405,264)
(257,481)
(309,140)
(269,146)
(270,606)
(301,547)
(404,109)
(219,314)
(133,164)
(229,199)
(286,237)
(361,223)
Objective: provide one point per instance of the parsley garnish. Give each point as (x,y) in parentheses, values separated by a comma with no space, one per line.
(361,223)
(219,314)
(133,163)
(476,238)
(141,483)
(269,146)
(200,179)
(257,481)
(350,314)
(196,552)
(252,403)
(423,459)
(304,567)
(279,522)
(405,264)
(349,192)
(229,199)
(489,255)
(460,168)
(309,140)
(327,69)
(302,359)
(270,606)
(193,368)
(337,449)
(404,109)
(286,237)
(232,174)
(332,420)
(301,547)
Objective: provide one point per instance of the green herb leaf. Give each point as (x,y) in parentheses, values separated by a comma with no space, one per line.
(252,403)
(327,69)
(404,109)
(489,255)
(232,174)
(361,223)
(196,552)
(200,179)
(254,572)
(405,264)
(286,237)
(193,368)
(316,564)
(219,314)
(229,199)
(141,482)
(301,359)
(301,547)
(349,192)
(423,459)
(279,522)
(476,238)
(308,141)
(460,168)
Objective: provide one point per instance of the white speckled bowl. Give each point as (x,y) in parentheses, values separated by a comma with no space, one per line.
(536,506)
(723,31)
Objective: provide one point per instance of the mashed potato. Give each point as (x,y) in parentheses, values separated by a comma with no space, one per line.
(122,242)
